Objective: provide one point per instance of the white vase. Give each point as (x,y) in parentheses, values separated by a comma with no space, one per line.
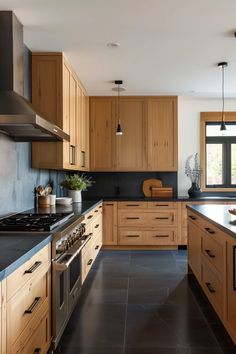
(75,195)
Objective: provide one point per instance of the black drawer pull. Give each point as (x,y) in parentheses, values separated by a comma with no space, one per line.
(110,204)
(90,262)
(209,230)
(162,205)
(210,288)
(33,268)
(97,247)
(100,206)
(96,211)
(133,236)
(208,252)
(192,217)
(33,305)
(90,216)
(132,205)
(96,226)
(162,218)
(161,236)
(132,218)
(37,351)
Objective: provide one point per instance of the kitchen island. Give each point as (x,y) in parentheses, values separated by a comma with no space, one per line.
(212,258)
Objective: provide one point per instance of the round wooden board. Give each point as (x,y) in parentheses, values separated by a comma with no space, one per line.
(148,183)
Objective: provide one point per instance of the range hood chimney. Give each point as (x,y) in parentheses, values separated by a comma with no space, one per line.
(18,119)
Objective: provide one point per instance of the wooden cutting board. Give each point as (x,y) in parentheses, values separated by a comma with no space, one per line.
(148,183)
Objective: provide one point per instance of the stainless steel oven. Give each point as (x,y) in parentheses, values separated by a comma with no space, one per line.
(66,277)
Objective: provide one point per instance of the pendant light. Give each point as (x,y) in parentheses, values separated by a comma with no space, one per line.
(118,130)
(223,65)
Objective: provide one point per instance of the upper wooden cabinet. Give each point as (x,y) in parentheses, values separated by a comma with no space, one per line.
(59,96)
(162,134)
(149,140)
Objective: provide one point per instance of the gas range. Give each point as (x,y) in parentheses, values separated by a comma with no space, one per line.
(33,222)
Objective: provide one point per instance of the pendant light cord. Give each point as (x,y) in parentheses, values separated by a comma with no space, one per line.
(223,92)
(118,110)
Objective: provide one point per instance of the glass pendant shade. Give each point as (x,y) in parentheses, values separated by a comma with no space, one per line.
(119,130)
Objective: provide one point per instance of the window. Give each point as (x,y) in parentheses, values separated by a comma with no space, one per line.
(220,155)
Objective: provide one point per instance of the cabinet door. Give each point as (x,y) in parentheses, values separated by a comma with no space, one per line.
(131,152)
(231,288)
(162,134)
(102,130)
(110,223)
(194,249)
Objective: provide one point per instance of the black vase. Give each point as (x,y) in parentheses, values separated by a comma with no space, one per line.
(194,191)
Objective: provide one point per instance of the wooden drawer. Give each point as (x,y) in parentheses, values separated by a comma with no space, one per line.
(213,288)
(212,231)
(28,270)
(167,218)
(131,237)
(32,330)
(40,340)
(97,244)
(214,252)
(132,218)
(193,217)
(162,205)
(26,303)
(97,224)
(161,237)
(132,205)
(87,262)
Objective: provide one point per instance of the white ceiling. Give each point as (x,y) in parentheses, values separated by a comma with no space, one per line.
(166,46)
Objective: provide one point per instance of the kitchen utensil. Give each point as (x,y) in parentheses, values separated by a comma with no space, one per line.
(148,184)
(44,201)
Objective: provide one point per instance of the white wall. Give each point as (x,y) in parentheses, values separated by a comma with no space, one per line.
(189,130)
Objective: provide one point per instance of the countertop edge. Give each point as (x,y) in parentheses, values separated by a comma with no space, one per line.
(24,258)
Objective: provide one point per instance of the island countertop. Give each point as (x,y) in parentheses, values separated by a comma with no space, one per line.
(218,215)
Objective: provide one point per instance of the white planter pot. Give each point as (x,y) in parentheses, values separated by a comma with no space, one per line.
(75,195)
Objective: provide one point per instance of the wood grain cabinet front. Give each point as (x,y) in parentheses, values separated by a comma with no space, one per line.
(60,97)
(194,248)
(110,224)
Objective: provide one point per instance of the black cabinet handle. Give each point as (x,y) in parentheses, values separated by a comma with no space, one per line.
(90,261)
(162,205)
(96,211)
(33,268)
(210,231)
(37,351)
(132,205)
(97,247)
(90,216)
(192,217)
(100,206)
(133,236)
(162,218)
(133,218)
(96,226)
(33,305)
(161,236)
(110,204)
(210,288)
(208,252)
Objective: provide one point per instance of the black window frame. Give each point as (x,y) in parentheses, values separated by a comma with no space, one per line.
(226,142)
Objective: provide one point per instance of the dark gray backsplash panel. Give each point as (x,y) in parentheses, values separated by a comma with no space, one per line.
(124,184)
(18,179)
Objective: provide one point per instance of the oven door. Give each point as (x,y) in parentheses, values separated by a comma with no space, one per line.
(74,282)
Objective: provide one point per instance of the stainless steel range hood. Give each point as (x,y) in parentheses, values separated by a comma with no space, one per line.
(18,119)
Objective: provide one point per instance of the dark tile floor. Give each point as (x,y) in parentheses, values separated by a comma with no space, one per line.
(143,302)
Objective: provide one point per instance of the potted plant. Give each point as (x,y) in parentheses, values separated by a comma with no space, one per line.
(75,184)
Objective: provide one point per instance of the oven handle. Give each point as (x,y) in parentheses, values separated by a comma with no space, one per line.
(59,266)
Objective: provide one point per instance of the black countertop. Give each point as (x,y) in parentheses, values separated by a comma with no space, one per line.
(173,199)
(218,215)
(16,249)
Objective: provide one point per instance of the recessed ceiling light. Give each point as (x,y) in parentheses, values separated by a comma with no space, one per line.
(113,44)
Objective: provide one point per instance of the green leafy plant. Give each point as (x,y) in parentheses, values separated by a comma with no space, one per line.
(76,182)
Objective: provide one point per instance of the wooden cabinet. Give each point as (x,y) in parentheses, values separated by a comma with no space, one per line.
(102,133)
(59,96)
(194,247)
(231,288)
(28,309)
(109,223)
(94,226)
(162,134)
(131,149)
(211,256)
(149,140)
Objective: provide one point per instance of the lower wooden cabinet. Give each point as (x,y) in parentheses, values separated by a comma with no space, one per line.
(25,308)
(212,258)
(110,223)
